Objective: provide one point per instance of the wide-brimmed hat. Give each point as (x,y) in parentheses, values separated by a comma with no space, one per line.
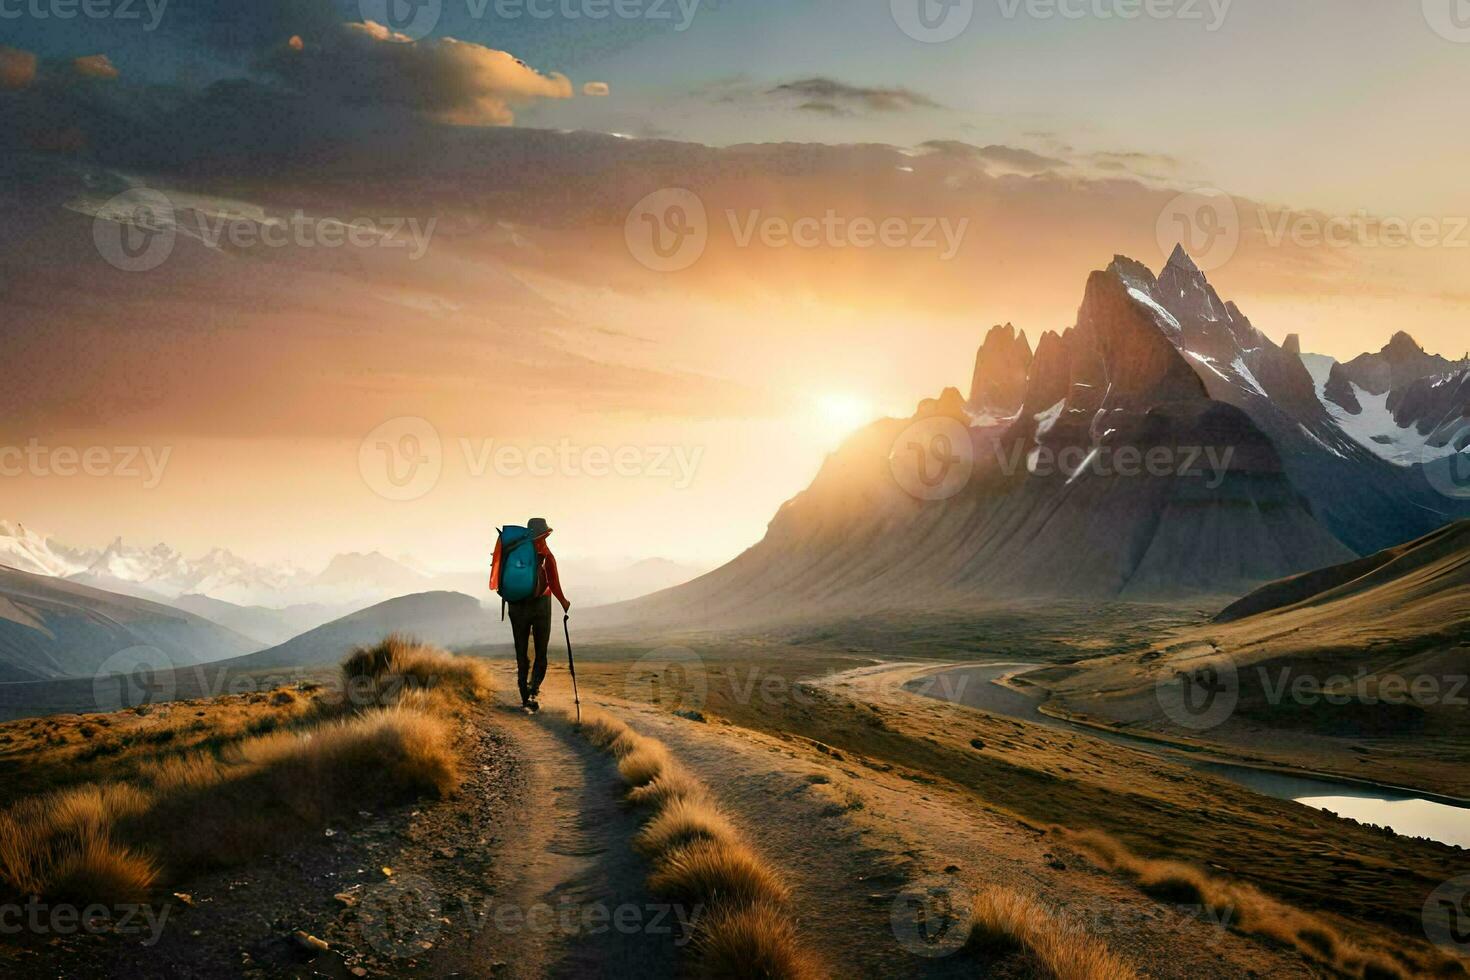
(538,526)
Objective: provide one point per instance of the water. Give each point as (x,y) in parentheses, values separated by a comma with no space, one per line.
(1407,813)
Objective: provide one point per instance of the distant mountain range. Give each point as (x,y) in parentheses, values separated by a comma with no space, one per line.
(268,627)
(103,649)
(447,619)
(1053,498)
(349,581)
(51,628)
(59,605)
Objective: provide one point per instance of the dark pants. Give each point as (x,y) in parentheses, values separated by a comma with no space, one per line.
(532,617)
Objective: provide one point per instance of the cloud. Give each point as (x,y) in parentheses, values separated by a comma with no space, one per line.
(822,94)
(17,68)
(1007,157)
(825,108)
(94,66)
(451,81)
(596,88)
(1144,164)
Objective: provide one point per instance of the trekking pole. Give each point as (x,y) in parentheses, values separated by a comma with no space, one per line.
(572,665)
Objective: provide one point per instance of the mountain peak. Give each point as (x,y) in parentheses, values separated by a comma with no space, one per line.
(1133,273)
(999,382)
(1181,260)
(1402,343)
(1123,337)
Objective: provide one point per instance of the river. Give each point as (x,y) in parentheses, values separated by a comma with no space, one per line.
(1407,813)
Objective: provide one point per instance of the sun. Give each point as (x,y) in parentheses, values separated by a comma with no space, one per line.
(839,414)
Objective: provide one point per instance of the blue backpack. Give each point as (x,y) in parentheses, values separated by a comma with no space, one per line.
(520,565)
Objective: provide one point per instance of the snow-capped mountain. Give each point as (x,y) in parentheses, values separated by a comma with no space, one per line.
(160,571)
(29,551)
(1403,404)
(1365,501)
(162,574)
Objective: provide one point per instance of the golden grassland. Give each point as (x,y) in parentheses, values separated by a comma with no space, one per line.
(1354,894)
(1249,911)
(236,778)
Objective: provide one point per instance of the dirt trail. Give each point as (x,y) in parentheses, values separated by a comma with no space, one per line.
(568,888)
(535,878)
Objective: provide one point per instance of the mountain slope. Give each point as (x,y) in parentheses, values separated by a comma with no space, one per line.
(1357,668)
(1425,584)
(447,619)
(269,627)
(52,628)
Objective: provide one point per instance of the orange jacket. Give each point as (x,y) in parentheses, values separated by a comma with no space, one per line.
(547,580)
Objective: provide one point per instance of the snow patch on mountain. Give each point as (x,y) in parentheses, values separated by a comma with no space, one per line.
(1374,427)
(1165,318)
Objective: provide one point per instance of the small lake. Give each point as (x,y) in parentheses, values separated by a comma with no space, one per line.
(1407,813)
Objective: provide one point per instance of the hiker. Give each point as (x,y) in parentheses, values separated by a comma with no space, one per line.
(523,572)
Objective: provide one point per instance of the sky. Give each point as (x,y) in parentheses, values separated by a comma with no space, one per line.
(513,171)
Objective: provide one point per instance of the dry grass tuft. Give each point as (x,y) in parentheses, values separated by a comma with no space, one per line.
(62,845)
(683,821)
(1004,921)
(716,873)
(644,763)
(753,941)
(670,785)
(398,666)
(600,728)
(1243,908)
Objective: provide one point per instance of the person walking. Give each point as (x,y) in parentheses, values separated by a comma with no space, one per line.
(523,571)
